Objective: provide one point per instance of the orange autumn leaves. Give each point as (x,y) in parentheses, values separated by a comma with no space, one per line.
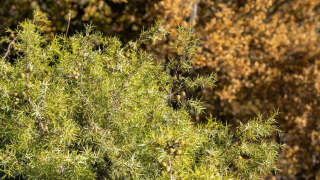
(266,55)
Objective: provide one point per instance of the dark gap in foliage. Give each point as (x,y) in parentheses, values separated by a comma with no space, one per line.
(103,168)
(54,61)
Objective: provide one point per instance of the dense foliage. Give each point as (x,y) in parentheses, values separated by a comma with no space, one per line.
(265,54)
(89,107)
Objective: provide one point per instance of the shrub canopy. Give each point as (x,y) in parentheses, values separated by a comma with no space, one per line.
(90,107)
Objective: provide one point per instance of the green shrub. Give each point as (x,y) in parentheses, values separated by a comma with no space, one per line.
(88,107)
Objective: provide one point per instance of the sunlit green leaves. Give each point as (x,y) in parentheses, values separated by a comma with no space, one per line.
(90,108)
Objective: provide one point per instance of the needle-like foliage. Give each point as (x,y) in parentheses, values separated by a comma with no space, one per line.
(87,107)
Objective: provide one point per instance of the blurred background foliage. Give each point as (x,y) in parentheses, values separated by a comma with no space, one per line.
(265,54)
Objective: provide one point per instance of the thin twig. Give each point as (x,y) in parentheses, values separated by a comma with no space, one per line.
(9,48)
(170,171)
(69,20)
(194,9)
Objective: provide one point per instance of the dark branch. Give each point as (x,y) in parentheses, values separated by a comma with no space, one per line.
(9,49)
